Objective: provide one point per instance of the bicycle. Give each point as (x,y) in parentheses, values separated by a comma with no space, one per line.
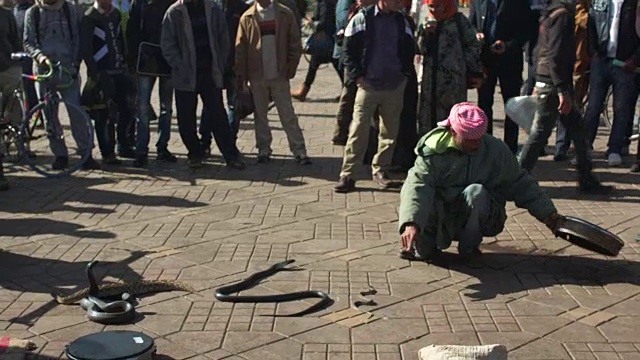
(45,112)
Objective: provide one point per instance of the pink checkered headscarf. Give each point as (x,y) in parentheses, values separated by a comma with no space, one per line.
(468,120)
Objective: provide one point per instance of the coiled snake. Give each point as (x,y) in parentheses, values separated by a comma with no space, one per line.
(222,293)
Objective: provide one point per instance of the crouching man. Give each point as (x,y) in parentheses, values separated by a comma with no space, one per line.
(459,186)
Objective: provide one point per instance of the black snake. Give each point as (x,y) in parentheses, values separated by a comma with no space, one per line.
(223,293)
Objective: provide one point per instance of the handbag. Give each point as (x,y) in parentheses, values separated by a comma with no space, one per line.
(319,44)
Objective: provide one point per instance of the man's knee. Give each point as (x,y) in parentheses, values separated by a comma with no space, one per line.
(477,196)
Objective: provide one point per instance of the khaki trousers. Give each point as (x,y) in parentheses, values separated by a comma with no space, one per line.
(390,104)
(280,92)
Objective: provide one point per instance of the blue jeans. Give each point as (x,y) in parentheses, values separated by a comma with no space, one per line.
(145,86)
(625,93)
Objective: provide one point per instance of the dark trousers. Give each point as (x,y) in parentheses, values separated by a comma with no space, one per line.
(105,129)
(404,154)
(345,111)
(314,65)
(217,122)
(546,117)
(510,77)
(122,99)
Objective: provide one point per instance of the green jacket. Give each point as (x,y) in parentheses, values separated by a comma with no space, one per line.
(440,174)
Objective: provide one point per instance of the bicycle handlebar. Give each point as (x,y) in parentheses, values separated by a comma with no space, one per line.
(52,67)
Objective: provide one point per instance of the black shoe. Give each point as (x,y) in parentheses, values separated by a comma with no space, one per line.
(195,163)
(560,157)
(382,179)
(207,151)
(165,155)
(127,153)
(91,164)
(237,164)
(594,187)
(4,183)
(153,116)
(303,160)
(263,159)
(339,141)
(345,185)
(60,163)
(111,160)
(141,161)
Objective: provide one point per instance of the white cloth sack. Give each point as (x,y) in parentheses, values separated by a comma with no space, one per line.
(522,110)
(458,352)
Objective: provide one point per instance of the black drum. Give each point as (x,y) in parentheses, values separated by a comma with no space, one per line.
(588,236)
(112,345)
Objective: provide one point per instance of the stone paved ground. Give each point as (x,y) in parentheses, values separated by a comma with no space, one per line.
(541,297)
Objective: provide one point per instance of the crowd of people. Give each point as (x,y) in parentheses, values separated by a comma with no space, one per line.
(575,51)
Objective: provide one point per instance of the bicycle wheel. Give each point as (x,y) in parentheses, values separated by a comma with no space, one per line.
(607,112)
(41,140)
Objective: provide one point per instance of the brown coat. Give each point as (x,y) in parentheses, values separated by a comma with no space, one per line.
(248,45)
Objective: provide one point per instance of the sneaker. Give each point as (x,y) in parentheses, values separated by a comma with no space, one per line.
(303,160)
(4,183)
(345,185)
(111,160)
(60,163)
(594,187)
(237,164)
(127,153)
(165,155)
(195,163)
(141,161)
(263,159)
(91,164)
(614,160)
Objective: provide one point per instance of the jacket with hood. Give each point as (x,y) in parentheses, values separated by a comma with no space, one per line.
(431,196)
(556,51)
(600,24)
(102,42)
(145,20)
(9,38)
(56,39)
(179,49)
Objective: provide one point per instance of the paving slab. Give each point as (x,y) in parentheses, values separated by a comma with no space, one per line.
(540,296)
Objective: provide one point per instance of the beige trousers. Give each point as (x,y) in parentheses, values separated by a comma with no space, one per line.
(390,104)
(280,91)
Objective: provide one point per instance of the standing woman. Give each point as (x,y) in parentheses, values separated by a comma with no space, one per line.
(451,62)
(325,18)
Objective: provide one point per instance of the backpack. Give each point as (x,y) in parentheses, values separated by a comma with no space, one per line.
(67,15)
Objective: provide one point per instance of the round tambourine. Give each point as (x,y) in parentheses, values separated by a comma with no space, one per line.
(588,236)
(112,345)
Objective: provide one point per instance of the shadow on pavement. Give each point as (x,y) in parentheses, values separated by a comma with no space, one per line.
(25,227)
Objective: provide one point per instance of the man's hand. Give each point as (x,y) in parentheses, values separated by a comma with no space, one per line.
(409,236)
(42,60)
(552,221)
(566,103)
(629,66)
(498,47)
(480,36)
(360,81)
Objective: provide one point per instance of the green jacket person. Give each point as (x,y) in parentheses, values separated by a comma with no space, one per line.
(459,186)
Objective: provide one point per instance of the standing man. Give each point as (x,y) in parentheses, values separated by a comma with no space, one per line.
(19,11)
(268,50)
(615,49)
(56,38)
(144,21)
(503,27)
(554,89)
(379,50)
(195,43)
(10,73)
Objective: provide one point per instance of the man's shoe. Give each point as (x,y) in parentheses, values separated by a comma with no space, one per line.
(560,157)
(164,155)
(383,180)
(60,163)
(4,183)
(127,153)
(111,160)
(207,151)
(303,160)
(141,161)
(593,187)
(614,160)
(195,163)
(345,185)
(237,164)
(263,159)
(301,94)
(91,164)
